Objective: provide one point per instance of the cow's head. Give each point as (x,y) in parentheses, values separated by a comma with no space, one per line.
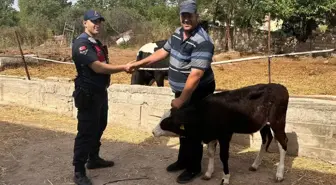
(172,122)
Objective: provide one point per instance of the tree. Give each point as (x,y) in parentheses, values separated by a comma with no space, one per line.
(92,4)
(331,18)
(244,14)
(8,15)
(301,17)
(41,10)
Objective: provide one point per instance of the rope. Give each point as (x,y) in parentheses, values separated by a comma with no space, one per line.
(307,52)
(238,60)
(50,60)
(249,58)
(17,56)
(213,63)
(154,69)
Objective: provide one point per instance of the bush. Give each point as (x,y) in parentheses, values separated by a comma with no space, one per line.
(28,36)
(156,23)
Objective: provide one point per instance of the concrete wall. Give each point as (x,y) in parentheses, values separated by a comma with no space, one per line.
(138,106)
(311,122)
(50,95)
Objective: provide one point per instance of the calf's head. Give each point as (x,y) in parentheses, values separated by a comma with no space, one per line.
(172,122)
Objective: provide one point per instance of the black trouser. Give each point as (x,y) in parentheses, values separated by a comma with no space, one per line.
(92,120)
(191,148)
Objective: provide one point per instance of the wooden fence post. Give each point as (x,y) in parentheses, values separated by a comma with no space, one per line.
(23,59)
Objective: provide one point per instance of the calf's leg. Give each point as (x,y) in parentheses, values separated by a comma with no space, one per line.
(137,78)
(159,78)
(150,83)
(282,140)
(281,166)
(278,125)
(266,136)
(211,154)
(224,156)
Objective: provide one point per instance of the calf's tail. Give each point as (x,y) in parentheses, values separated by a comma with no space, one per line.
(269,137)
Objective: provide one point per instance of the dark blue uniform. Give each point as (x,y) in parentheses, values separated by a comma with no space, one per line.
(90,98)
(85,51)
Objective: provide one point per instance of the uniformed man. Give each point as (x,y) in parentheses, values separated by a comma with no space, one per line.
(191,78)
(90,96)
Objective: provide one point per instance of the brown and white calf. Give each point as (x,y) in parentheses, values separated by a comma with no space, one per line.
(260,107)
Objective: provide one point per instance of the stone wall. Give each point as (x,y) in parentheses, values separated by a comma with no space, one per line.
(138,106)
(50,95)
(311,122)
(133,106)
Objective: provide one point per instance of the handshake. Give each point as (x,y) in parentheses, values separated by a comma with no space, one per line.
(131,67)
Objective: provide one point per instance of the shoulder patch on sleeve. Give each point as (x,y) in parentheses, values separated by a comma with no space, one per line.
(83,50)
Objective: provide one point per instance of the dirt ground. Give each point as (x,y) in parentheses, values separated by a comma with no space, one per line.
(301,75)
(37,147)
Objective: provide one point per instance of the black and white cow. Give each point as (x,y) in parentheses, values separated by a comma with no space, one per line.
(260,107)
(146,77)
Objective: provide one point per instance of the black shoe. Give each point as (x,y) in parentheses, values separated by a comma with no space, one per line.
(80,178)
(187,176)
(175,167)
(98,163)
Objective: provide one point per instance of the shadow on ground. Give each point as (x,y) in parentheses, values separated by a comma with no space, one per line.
(33,156)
